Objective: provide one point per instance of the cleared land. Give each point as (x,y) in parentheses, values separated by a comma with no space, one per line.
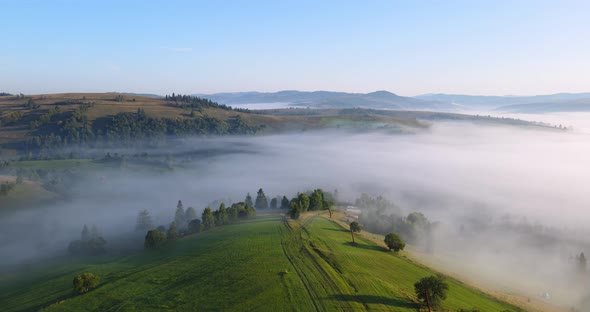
(265,264)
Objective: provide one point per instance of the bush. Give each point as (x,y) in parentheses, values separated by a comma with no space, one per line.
(394,242)
(154,238)
(85,282)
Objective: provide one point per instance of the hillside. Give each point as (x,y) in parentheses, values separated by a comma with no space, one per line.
(49,121)
(262,264)
(27,194)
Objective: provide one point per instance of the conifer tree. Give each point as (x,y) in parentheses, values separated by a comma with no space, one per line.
(261,201)
(179,217)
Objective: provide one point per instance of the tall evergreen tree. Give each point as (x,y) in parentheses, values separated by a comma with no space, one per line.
(261,201)
(284,202)
(144,221)
(249,200)
(273,203)
(179,217)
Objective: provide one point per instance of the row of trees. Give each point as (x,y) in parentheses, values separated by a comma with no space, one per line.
(91,242)
(186,222)
(198,103)
(124,128)
(261,201)
(316,200)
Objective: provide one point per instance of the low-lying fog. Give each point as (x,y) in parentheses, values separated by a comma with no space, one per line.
(506,187)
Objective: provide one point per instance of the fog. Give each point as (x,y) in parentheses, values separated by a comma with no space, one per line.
(511,203)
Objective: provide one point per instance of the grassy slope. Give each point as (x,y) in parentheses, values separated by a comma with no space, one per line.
(242,267)
(23,195)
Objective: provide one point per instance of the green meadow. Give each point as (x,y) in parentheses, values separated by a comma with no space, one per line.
(265,264)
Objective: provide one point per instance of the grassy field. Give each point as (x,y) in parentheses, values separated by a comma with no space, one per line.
(26,194)
(258,265)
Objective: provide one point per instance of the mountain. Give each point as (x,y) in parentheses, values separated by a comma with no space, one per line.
(329,99)
(559,102)
(496,102)
(577,105)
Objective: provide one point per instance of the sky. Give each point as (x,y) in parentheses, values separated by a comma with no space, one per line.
(406,47)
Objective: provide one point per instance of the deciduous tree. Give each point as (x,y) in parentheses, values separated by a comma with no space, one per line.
(85,282)
(154,238)
(208,219)
(432,290)
(172,233)
(394,242)
(355,227)
(303,202)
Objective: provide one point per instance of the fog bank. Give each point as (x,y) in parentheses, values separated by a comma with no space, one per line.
(458,174)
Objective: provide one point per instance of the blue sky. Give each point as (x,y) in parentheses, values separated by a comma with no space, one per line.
(407,47)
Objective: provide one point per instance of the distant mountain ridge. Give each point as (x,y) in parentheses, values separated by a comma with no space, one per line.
(559,102)
(496,102)
(330,99)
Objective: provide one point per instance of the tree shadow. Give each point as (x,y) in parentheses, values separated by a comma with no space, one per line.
(370,299)
(335,230)
(366,246)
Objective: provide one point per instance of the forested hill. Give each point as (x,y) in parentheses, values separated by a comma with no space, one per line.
(53,121)
(33,123)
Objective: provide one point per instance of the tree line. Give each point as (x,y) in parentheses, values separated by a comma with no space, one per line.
(381,216)
(186,222)
(198,103)
(311,201)
(91,243)
(126,128)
